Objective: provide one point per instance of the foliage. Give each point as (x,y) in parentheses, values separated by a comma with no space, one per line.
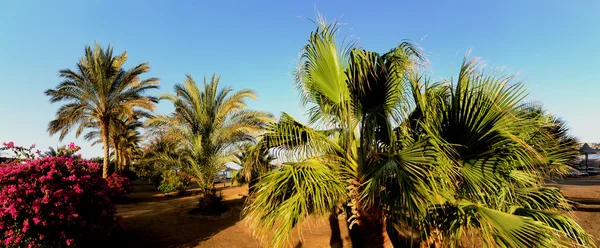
(27,153)
(174,182)
(98,92)
(66,150)
(120,187)
(20,153)
(54,202)
(130,174)
(205,126)
(459,158)
(255,160)
(125,138)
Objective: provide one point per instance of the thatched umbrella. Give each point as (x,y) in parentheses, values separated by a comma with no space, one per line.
(586,150)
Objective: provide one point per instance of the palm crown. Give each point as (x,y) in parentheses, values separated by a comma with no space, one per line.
(206,125)
(99,90)
(436,162)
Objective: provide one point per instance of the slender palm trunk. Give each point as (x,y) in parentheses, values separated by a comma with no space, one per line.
(117,157)
(105,141)
(123,161)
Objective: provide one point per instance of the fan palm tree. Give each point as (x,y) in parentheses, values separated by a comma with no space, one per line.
(442,162)
(99,90)
(207,124)
(553,139)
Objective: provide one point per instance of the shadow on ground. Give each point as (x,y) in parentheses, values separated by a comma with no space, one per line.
(153,220)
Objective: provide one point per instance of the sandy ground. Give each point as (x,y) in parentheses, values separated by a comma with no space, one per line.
(153,220)
(585,193)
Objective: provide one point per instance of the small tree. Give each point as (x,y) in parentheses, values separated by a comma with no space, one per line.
(207,124)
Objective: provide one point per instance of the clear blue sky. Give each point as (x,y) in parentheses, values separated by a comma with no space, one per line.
(555,45)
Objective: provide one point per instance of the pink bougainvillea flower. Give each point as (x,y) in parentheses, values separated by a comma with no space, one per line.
(10,144)
(40,202)
(72,146)
(32,146)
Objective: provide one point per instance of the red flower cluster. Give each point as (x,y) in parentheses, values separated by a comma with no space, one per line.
(120,186)
(54,202)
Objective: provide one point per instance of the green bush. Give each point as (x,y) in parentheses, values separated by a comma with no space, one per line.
(174,182)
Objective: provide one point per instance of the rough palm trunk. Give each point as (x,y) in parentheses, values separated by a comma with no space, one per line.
(104,130)
(373,231)
(123,161)
(117,157)
(253,181)
(370,229)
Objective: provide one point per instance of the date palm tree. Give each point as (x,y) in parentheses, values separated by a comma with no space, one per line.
(207,124)
(99,90)
(255,160)
(439,163)
(125,138)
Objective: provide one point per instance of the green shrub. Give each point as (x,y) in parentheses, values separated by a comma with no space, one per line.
(174,182)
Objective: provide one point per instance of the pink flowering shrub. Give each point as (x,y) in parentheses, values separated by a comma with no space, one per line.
(120,187)
(54,202)
(67,150)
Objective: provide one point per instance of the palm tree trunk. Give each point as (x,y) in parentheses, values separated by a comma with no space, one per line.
(104,130)
(251,184)
(125,161)
(117,157)
(373,231)
(370,230)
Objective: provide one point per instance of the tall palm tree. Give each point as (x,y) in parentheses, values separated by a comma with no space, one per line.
(99,90)
(442,162)
(125,138)
(207,124)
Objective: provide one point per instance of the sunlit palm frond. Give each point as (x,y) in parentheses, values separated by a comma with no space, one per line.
(208,123)
(286,197)
(560,222)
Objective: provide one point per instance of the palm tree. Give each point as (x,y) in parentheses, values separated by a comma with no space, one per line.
(51,152)
(207,124)
(255,160)
(151,163)
(441,162)
(553,139)
(125,138)
(99,90)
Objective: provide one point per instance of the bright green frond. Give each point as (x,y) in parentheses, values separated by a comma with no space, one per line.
(286,197)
